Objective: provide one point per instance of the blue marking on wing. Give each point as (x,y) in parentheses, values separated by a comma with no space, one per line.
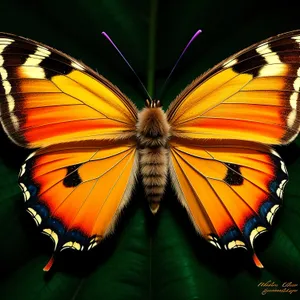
(32,189)
(41,209)
(76,235)
(250,225)
(231,235)
(273,186)
(56,226)
(265,208)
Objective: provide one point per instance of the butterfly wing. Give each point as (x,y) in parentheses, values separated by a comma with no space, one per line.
(82,176)
(47,97)
(75,191)
(230,189)
(230,183)
(253,96)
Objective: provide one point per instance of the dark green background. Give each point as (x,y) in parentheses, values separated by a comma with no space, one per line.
(147,258)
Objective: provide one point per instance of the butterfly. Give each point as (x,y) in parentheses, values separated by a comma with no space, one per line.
(91,143)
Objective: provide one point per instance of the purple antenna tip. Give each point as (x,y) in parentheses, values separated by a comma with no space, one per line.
(107,36)
(191,40)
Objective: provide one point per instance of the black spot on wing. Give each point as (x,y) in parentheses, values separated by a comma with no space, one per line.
(17,53)
(287,50)
(56,64)
(233,176)
(72,178)
(249,63)
(12,57)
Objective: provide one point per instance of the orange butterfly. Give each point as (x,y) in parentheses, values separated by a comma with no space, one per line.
(92,142)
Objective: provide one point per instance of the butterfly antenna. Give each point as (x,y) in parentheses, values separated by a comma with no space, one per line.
(178,60)
(140,81)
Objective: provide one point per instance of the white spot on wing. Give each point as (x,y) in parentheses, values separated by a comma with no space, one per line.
(272,58)
(279,193)
(53,236)
(269,217)
(10,102)
(36,217)
(22,171)
(42,51)
(273,70)
(263,49)
(256,232)
(274,65)
(214,241)
(283,167)
(30,155)
(292,117)
(5,41)
(275,153)
(216,244)
(274,208)
(293,100)
(26,195)
(31,211)
(283,183)
(92,245)
(230,63)
(296,84)
(77,66)
(297,38)
(7,86)
(3,72)
(236,244)
(32,72)
(72,245)
(39,55)
(76,246)
(271,213)
(30,68)
(67,245)
(11,106)
(22,186)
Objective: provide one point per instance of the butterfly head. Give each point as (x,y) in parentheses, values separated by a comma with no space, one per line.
(153,103)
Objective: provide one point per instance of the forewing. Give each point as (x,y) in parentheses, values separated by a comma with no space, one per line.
(47,97)
(75,191)
(230,189)
(253,96)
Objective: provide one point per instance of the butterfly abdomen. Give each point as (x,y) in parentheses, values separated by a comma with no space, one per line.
(153,133)
(153,168)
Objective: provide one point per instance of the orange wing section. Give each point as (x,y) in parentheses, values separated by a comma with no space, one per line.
(251,96)
(75,191)
(230,189)
(47,97)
